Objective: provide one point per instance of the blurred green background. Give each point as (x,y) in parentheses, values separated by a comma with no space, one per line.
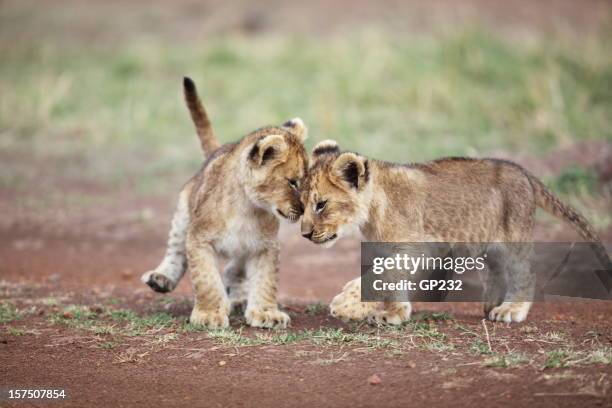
(92,90)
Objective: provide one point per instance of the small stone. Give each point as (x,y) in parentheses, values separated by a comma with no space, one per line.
(222,363)
(374,380)
(411,364)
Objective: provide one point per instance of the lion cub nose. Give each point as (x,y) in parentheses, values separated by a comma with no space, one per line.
(307,229)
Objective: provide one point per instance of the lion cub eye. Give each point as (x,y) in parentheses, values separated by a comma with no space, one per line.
(320,206)
(294,183)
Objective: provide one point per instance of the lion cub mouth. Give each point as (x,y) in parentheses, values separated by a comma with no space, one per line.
(330,238)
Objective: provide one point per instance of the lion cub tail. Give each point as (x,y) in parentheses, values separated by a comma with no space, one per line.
(550,203)
(206,135)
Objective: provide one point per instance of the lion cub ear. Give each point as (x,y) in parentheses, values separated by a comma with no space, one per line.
(297,127)
(325,147)
(351,169)
(268,148)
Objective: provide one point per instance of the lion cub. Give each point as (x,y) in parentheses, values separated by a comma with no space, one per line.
(231,208)
(446,200)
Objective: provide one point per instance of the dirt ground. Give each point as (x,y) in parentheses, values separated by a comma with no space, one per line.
(74,315)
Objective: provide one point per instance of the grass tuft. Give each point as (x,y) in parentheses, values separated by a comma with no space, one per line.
(479,347)
(600,356)
(8,312)
(317,309)
(14,331)
(433,316)
(557,358)
(508,360)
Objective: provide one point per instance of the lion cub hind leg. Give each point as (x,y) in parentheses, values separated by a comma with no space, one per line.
(510,312)
(521,283)
(393,313)
(262,308)
(211,305)
(166,276)
(347,306)
(493,280)
(234,279)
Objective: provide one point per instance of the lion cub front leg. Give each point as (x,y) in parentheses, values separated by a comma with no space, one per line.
(211,306)
(347,305)
(262,307)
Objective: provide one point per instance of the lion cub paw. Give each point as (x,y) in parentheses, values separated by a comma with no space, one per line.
(347,311)
(158,281)
(347,305)
(271,318)
(213,319)
(510,312)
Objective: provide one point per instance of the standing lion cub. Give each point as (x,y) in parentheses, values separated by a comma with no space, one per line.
(231,208)
(446,200)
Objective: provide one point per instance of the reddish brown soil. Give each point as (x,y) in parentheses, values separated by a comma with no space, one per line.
(188,372)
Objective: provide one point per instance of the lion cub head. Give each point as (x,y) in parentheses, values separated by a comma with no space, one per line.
(333,193)
(275,166)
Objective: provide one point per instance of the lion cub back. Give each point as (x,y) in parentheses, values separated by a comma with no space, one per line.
(464,200)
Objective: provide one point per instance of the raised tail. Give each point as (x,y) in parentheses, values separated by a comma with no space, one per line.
(198,114)
(550,203)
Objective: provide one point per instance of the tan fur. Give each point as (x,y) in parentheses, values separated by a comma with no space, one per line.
(450,200)
(234,203)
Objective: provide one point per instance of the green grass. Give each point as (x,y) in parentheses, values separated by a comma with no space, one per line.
(108,345)
(320,337)
(565,357)
(15,331)
(283,338)
(433,316)
(138,325)
(156,330)
(230,337)
(317,309)
(507,360)
(8,312)
(575,180)
(332,336)
(124,322)
(479,347)
(76,316)
(404,99)
(557,358)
